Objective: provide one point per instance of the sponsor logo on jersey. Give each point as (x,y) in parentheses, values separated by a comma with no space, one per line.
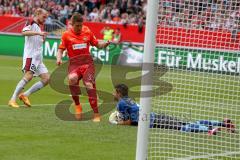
(85,39)
(72,39)
(79,46)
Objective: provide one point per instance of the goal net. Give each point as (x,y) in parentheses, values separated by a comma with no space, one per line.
(197,74)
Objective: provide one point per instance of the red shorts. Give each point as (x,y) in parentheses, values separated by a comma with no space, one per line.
(85,72)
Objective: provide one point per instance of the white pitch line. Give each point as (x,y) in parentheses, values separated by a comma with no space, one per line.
(4,105)
(35,105)
(209,155)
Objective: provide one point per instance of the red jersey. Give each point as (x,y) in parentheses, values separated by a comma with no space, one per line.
(78,45)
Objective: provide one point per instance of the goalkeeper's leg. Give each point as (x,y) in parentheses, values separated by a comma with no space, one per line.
(167,122)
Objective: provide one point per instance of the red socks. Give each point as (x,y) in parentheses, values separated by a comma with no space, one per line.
(75,91)
(92,97)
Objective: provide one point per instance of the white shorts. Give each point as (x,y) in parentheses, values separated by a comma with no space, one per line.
(36,66)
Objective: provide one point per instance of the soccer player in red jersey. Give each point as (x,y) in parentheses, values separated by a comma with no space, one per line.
(76,41)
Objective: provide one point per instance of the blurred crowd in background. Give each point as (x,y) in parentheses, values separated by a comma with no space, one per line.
(198,14)
(107,11)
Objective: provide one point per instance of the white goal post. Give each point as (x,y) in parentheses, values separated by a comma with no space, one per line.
(148,64)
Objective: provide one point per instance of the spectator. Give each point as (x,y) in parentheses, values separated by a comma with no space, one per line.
(1,11)
(94,15)
(116,19)
(109,19)
(235,30)
(109,11)
(49,26)
(115,11)
(124,19)
(107,33)
(63,14)
(102,12)
(116,36)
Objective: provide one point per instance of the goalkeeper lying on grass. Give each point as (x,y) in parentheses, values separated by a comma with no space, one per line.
(128,111)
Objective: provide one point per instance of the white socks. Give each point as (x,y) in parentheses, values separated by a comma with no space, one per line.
(19,88)
(35,87)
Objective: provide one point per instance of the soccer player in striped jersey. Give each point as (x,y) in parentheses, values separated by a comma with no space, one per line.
(76,40)
(32,59)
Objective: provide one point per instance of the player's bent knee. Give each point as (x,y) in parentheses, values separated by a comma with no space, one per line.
(45,78)
(28,75)
(73,79)
(89,85)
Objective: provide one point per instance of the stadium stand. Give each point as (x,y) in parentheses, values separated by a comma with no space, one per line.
(108,11)
(218,20)
(201,14)
(194,14)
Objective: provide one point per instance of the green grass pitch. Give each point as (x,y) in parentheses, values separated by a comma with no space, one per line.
(36,133)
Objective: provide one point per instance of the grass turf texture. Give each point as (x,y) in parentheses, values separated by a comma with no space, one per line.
(36,133)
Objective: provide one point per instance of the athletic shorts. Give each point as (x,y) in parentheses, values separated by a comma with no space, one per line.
(85,72)
(36,66)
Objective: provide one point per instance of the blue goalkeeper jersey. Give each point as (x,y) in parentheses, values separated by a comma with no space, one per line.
(129,109)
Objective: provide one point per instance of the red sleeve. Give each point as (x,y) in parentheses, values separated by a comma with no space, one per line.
(63,43)
(93,40)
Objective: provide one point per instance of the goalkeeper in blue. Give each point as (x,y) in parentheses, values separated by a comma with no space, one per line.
(127,112)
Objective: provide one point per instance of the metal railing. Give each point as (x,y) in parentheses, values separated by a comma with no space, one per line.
(53,27)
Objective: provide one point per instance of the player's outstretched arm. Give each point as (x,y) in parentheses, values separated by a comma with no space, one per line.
(33,33)
(103,44)
(127,122)
(59,57)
